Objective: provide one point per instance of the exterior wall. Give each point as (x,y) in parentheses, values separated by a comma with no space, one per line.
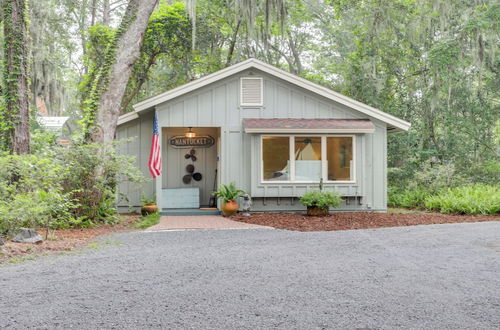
(139,131)
(217,105)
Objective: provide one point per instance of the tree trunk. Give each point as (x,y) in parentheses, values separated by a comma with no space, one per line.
(134,24)
(93,9)
(139,82)
(106,9)
(233,43)
(16,92)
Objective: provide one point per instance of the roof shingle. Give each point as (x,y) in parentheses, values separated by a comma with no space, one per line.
(291,125)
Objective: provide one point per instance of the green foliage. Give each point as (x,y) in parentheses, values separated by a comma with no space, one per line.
(101,75)
(471,199)
(147,200)
(31,193)
(95,194)
(321,199)
(430,186)
(229,192)
(167,59)
(99,39)
(432,63)
(58,188)
(15,69)
(148,220)
(407,198)
(42,139)
(429,176)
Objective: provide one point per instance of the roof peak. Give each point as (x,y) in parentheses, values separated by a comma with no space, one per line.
(392,121)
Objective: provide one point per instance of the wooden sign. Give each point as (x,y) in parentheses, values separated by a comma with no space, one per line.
(202,141)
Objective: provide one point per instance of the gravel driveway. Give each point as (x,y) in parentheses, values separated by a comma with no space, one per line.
(423,277)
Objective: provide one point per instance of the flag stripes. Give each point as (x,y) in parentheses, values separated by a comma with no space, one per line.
(155,153)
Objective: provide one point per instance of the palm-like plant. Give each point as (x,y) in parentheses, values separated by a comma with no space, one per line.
(229,192)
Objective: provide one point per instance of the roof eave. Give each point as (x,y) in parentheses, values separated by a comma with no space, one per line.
(392,121)
(309,130)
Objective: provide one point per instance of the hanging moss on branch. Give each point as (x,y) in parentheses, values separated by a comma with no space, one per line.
(14,112)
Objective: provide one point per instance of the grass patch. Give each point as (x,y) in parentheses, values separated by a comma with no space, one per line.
(148,221)
(97,245)
(17,260)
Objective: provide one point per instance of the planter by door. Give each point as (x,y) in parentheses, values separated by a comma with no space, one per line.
(149,208)
(229,208)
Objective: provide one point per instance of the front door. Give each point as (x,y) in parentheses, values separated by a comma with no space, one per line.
(177,164)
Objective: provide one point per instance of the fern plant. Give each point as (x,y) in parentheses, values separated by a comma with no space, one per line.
(229,192)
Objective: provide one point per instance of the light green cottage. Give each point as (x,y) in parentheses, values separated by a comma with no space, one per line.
(274,134)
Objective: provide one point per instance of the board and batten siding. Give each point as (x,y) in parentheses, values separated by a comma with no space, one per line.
(217,105)
(139,131)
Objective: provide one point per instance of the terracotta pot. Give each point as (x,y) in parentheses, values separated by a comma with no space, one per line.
(315,211)
(149,208)
(229,208)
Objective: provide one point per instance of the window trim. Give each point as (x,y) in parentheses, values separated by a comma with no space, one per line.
(261,104)
(324,166)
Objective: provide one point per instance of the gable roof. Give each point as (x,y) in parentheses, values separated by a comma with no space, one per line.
(394,123)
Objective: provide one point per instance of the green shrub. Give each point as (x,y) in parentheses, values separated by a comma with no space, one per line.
(321,199)
(62,187)
(408,198)
(39,208)
(92,178)
(470,199)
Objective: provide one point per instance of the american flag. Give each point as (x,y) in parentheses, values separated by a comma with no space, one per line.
(155,154)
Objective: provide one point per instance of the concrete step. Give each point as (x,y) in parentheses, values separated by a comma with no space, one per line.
(207,211)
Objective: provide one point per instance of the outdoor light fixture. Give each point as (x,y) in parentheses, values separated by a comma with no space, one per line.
(190,133)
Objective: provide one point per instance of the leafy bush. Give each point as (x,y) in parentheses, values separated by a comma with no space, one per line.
(321,199)
(31,193)
(92,178)
(408,198)
(61,187)
(471,199)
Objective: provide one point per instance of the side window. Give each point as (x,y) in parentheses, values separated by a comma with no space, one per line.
(339,158)
(276,158)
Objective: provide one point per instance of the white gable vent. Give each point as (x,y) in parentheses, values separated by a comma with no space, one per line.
(251,92)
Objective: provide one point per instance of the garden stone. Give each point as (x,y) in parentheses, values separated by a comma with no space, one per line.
(27,235)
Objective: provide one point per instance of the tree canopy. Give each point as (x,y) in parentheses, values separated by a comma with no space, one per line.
(434,63)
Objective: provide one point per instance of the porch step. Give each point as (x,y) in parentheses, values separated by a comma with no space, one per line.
(190,212)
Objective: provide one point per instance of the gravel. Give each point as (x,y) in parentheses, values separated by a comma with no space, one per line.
(421,277)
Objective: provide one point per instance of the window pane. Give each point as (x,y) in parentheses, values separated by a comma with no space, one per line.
(307,158)
(339,158)
(276,154)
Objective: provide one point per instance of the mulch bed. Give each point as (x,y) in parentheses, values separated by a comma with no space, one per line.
(63,240)
(353,220)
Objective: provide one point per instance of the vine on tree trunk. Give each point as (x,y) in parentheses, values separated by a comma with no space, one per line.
(14,111)
(101,79)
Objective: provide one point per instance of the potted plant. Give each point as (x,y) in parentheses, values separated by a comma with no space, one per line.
(148,206)
(318,202)
(229,194)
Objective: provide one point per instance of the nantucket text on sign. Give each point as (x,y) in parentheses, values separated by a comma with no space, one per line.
(202,141)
